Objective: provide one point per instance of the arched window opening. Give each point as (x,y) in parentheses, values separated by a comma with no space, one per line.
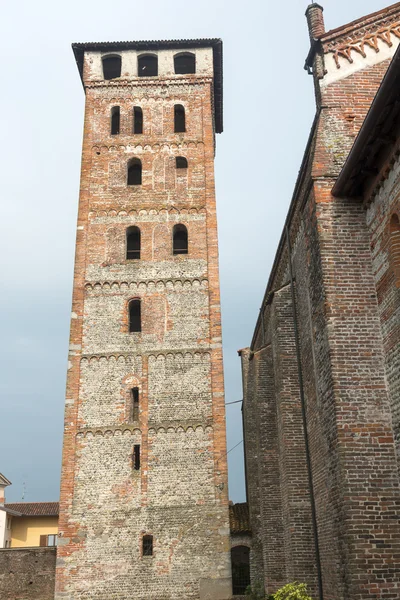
(185,63)
(134,172)
(137,119)
(180,239)
(147,545)
(181,162)
(115,120)
(179,119)
(133,243)
(240,560)
(135,318)
(147,65)
(394,230)
(111,67)
(135,403)
(136,457)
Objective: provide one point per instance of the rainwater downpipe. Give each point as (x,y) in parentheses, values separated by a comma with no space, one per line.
(304,415)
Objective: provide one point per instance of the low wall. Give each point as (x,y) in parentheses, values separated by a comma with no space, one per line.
(27,573)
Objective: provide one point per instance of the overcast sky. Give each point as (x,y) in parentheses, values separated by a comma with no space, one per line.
(268,111)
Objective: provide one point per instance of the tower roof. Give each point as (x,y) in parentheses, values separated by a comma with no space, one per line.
(80,48)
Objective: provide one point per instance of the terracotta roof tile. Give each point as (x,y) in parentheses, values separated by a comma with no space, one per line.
(35,509)
(239,520)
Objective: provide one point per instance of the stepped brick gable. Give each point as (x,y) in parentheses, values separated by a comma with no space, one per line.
(321,378)
(144,498)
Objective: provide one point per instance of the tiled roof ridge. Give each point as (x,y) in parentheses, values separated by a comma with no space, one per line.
(34,508)
(239,520)
(148,42)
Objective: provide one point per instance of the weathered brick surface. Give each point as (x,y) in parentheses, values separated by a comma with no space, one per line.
(179,494)
(347,299)
(27,573)
(384,204)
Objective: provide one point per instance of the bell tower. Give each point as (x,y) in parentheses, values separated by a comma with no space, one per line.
(144,498)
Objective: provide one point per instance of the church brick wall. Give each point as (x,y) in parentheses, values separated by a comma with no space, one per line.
(347,318)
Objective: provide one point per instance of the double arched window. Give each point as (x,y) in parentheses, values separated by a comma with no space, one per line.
(134,175)
(180,239)
(179,119)
(147,65)
(133,243)
(185,62)
(111,66)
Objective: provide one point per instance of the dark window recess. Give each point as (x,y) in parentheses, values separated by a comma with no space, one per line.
(115,119)
(181,162)
(133,243)
(136,457)
(180,239)
(179,119)
(240,558)
(137,119)
(135,172)
(185,63)
(147,66)
(147,545)
(135,320)
(135,403)
(111,67)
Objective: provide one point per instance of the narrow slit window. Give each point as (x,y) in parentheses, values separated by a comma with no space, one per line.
(147,547)
(180,239)
(179,119)
(134,172)
(133,243)
(137,119)
(115,120)
(181,162)
(111,67)
(147,65)
(185,63)
(136,457)
(135,319)
(135,403)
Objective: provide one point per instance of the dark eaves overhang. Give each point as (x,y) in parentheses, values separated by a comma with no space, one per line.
(215,43)
(13,513)
(376,137)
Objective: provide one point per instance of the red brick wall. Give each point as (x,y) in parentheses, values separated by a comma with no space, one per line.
(347,308)
(180,494)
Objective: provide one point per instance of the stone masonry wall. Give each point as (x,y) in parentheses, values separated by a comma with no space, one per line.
(27,573)
(179,493)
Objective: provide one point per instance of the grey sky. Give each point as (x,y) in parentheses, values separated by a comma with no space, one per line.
(268,111)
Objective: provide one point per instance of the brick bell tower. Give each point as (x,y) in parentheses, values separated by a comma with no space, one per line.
(144,498)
